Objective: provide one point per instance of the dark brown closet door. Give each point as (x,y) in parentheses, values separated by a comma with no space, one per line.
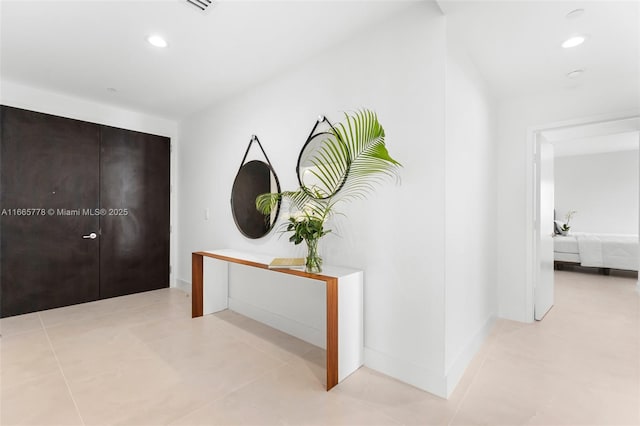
(134,191)
(48,163)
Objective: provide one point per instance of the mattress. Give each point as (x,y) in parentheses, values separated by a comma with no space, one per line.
(566,257)
(565,244)
(598,250)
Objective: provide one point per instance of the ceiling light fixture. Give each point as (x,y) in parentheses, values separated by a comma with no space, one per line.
(200,4)
(574,41)
(575,13)
(575,73)
(157,41)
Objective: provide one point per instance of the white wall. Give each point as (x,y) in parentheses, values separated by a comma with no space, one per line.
(516,118)
(397,235)
(601,188)
(40,100)
(471,294)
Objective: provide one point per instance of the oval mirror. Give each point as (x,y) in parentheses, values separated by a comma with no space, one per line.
(254,178)
(323,165)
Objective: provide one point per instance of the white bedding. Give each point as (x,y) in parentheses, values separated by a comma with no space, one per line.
(567,257)
(565,244)
(599,250)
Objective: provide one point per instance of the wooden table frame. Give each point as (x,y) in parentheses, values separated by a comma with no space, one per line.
(331,284)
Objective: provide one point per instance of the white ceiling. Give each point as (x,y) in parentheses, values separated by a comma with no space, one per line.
(516,44)
(84,47)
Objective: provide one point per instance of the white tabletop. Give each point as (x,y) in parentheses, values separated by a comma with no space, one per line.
(265,259)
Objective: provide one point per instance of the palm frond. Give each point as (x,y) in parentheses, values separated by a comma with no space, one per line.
(328,163)
(349,163)
(370,162)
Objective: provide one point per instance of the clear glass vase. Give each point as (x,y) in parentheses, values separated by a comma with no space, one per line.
(313,262)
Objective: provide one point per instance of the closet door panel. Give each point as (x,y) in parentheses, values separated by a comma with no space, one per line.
(134,192)
(50,163)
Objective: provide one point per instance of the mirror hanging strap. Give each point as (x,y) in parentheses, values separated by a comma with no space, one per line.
(321,119)
(254,138)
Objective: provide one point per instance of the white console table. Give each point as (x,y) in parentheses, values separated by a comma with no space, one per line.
(344,287)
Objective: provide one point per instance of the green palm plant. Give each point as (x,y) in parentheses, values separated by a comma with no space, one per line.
(349,162)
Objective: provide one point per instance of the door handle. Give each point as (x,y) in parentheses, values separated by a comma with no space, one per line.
(91,236)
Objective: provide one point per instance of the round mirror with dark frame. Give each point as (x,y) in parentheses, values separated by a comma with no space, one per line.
(254,177)
(321,170)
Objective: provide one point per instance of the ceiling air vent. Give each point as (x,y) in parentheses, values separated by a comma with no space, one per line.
(200,4)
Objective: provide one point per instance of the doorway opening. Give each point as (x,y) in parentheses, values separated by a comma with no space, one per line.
(580,137)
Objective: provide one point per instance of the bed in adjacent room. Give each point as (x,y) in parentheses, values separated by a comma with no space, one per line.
(605,251)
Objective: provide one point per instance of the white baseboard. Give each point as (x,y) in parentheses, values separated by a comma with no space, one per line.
(286,325)
(441,385)
(456,369)
(406,371)
(183,285)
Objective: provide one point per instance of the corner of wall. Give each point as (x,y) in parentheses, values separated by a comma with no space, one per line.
(406,371)
(459,365)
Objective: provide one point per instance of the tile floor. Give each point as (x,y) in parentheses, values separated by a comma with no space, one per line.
(141,360)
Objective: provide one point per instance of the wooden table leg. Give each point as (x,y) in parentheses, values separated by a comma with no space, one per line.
(196,285)
(332,333)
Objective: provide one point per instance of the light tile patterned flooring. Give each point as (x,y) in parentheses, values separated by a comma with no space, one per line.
(141,360)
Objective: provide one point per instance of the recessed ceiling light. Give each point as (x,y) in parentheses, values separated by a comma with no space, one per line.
(157,41)
(574,41)
(575,73)
(575,13)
